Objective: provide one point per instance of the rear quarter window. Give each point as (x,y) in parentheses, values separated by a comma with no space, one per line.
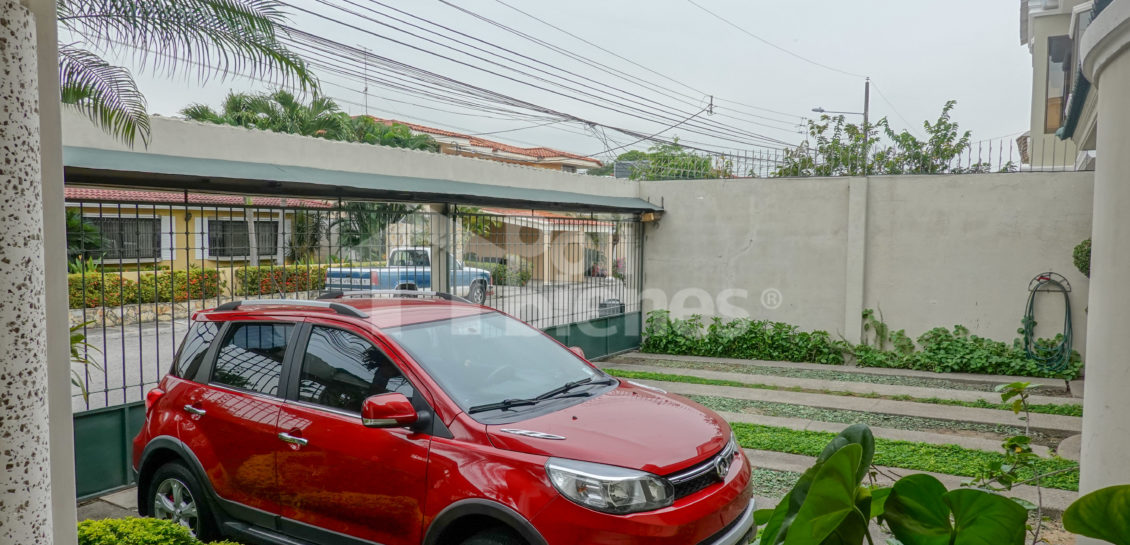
(193,348)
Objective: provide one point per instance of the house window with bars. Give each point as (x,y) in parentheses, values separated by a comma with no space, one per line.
(230,238)
(129,238)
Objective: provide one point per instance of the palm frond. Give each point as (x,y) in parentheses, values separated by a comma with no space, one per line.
(105,93)
(218,36)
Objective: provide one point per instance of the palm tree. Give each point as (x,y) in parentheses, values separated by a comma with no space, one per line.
(281,111)
(218,36)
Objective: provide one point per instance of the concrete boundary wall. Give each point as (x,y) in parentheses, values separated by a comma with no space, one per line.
(927,250)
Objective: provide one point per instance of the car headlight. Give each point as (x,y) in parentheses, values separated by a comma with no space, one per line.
(609,489)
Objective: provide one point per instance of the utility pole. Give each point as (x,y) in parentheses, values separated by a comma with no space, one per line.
(866,129)
(365,60)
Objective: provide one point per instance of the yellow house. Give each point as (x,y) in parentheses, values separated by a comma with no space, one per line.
(148,230)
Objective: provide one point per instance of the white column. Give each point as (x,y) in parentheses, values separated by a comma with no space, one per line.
(25,455)
(1106,405)
(440,246)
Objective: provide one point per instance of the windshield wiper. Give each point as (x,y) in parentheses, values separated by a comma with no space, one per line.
(504,404)
(569,386)
(556,393)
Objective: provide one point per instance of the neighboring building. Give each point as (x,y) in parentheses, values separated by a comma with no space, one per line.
(453,143)
(156,229)
(1051,29)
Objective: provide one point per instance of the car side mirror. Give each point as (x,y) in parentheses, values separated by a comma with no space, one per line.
(577,350)
(391,410)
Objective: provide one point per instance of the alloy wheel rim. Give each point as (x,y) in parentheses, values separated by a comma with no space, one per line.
(173,501)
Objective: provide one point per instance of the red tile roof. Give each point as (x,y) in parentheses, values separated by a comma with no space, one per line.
(540,152)
(164,197)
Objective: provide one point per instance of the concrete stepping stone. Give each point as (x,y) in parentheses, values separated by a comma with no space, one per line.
(1069,448)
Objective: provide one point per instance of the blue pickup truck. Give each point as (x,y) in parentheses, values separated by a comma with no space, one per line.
(411,268)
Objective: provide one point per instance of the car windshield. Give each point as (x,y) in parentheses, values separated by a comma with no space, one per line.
(490,358)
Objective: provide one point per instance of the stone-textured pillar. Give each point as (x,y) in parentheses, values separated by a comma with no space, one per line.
(1106,428)
(25,483)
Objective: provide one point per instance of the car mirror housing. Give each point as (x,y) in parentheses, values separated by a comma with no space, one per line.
(577,350)
(392,410)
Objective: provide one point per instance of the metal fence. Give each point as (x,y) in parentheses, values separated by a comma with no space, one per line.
(141,262)
(811,159)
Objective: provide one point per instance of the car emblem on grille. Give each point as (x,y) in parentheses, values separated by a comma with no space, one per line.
(537,434)
(722,467)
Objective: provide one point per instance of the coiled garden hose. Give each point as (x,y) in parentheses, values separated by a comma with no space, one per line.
(1053,358)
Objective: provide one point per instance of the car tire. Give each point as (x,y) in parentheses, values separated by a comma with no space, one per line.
(192,511)
(478,293)
(494,536)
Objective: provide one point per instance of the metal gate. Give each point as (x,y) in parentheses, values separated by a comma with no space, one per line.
(141,262)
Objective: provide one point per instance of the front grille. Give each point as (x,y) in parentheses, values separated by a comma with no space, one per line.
(702,475)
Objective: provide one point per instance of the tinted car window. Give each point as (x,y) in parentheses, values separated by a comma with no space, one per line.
(340,369)
(195,344)
(251,357)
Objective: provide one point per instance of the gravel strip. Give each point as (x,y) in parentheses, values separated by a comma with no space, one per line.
(770,483)
(726,404)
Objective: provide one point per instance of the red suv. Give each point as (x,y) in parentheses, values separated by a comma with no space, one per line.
(416,420)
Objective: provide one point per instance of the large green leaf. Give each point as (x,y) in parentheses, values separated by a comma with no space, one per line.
(786,511)
(878,501)
(1103,514)
(915,512)
(984,518)
(855,434)
(830,500)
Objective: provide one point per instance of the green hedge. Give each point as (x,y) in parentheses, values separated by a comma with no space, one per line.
(266,280)
(137,531)
(956,351)
(111,290)
(742,338)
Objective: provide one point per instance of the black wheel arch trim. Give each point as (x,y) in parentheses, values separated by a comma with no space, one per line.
(166,442)
(481,507)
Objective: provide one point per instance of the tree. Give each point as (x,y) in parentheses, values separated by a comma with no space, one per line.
(307,232)
(362,226)
(836,148)
(665,161)
(219,36)
(84,240)
(281,111)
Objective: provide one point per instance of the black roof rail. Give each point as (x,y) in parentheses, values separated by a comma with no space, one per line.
(340,294)
(336,307)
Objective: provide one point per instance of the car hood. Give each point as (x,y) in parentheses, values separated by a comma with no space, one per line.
(630,426)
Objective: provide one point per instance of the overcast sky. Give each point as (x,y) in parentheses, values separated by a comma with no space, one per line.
(918,54)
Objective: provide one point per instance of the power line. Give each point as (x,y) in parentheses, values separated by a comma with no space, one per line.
(618,107)
(773,45)
(909,125)
(625,75)
(649,137)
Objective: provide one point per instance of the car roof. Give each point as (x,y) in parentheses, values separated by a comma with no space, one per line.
(382,312)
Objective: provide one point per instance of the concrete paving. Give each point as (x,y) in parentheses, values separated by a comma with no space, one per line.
(841,386)
(1040,422)
(1076,385)
(122,503)
(1055,501)
(933,438)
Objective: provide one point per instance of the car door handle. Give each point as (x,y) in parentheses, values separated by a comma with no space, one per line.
(288,438)
(194,410)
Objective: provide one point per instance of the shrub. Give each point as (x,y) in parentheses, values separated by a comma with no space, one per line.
(266,280)
(956,351)
(177,286)
(741,338)
(1082,256)
(133,531)
(137,531)
(96,290)
(111,290)
(505,275)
